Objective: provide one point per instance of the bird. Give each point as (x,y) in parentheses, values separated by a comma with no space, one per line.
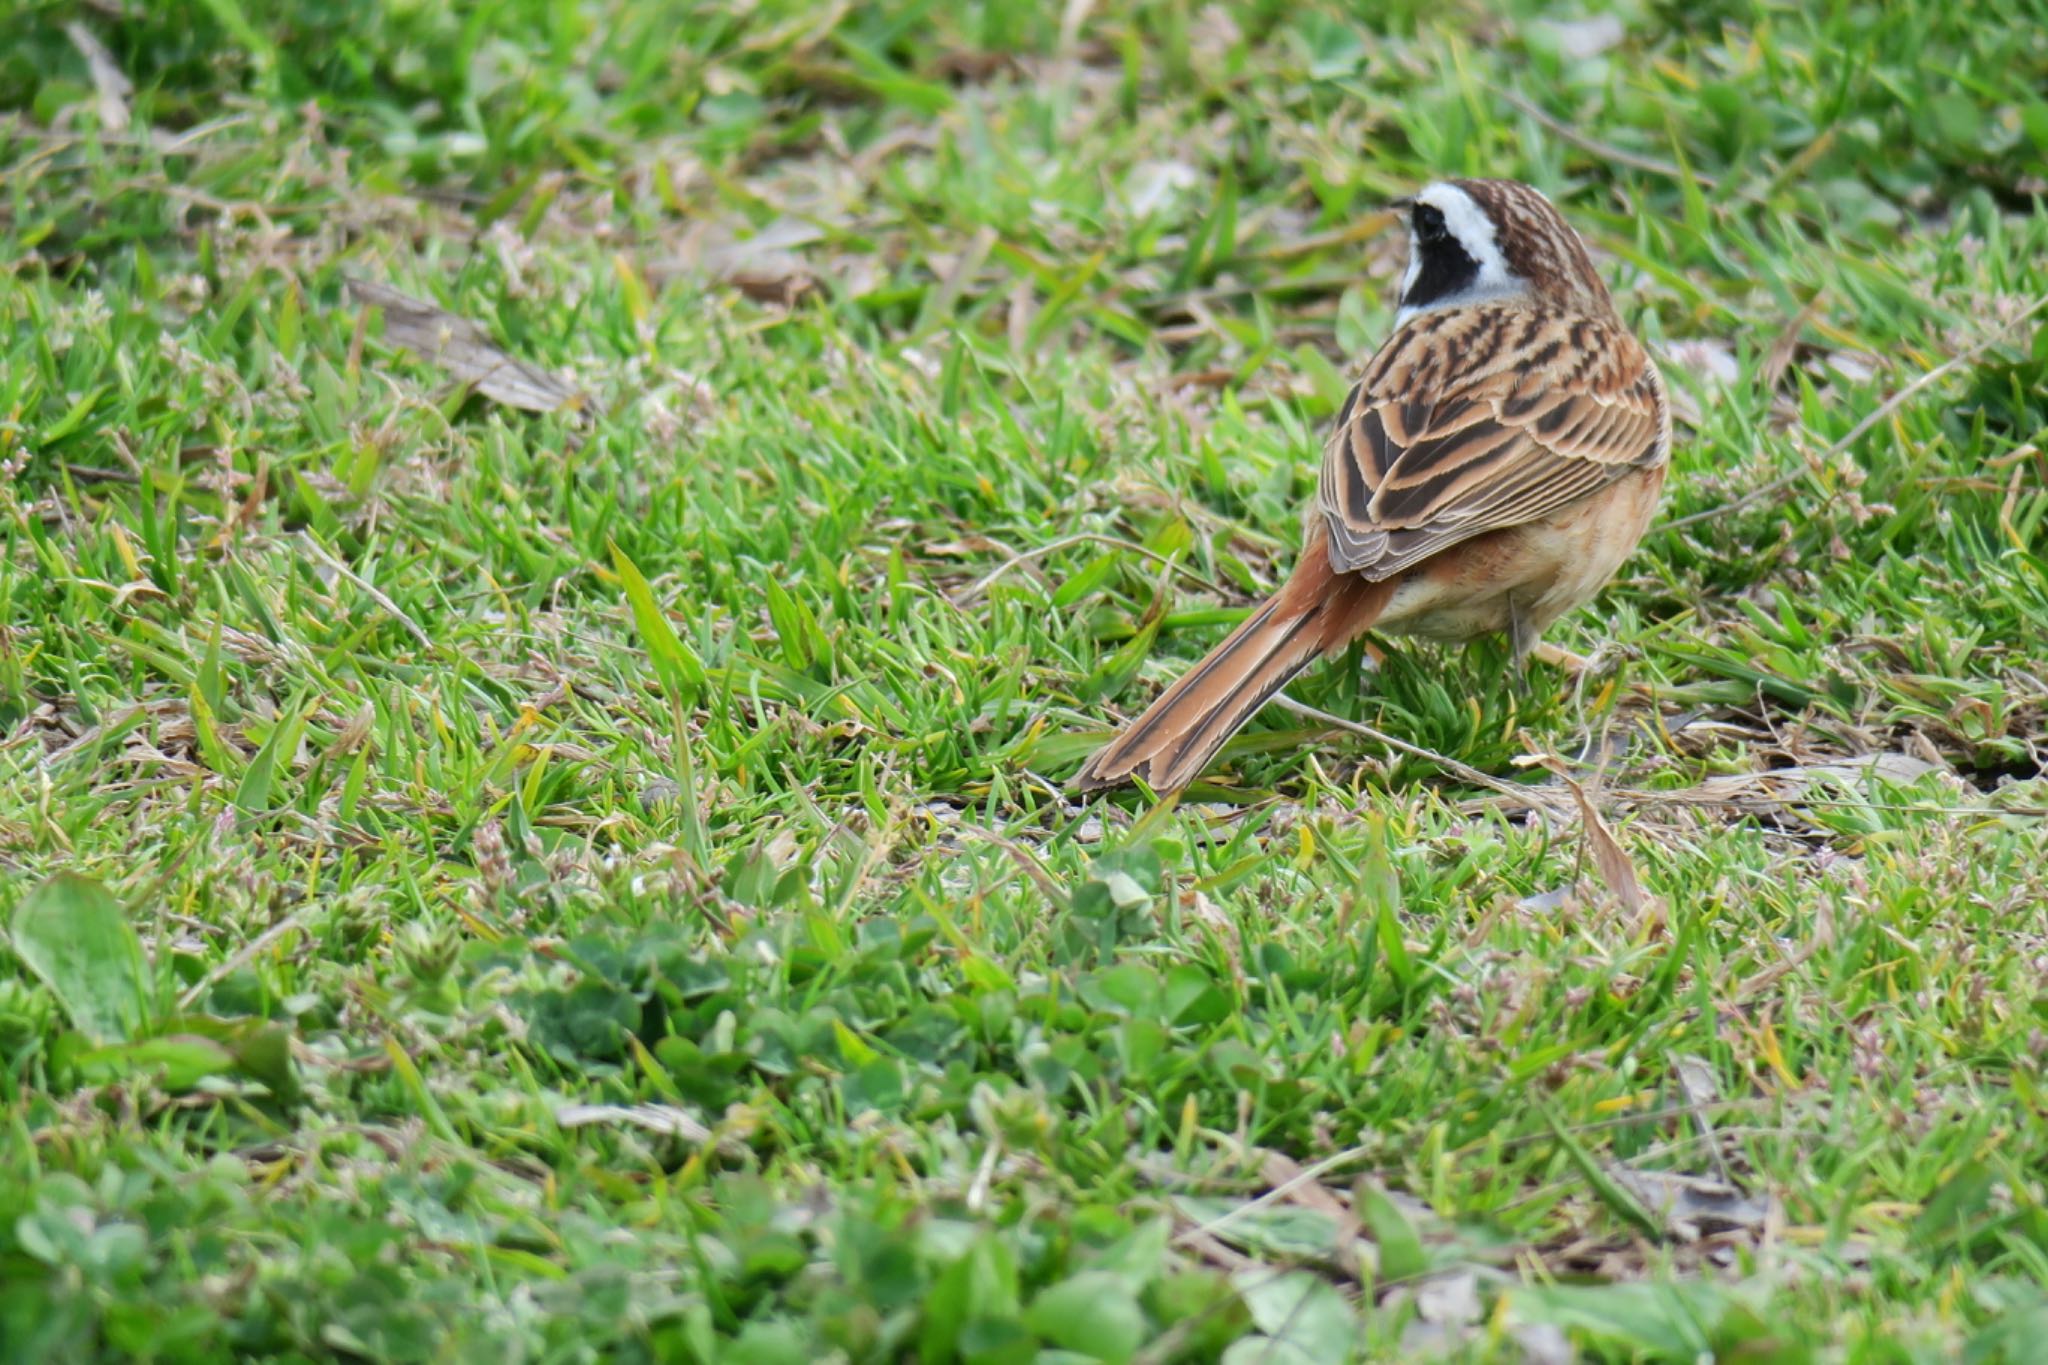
(1498,458)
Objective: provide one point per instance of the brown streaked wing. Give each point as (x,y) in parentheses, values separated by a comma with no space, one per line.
(1473,419)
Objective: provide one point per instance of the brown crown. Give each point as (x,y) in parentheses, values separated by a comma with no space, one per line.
(1540,247)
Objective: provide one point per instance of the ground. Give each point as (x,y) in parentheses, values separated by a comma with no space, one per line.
(555,558)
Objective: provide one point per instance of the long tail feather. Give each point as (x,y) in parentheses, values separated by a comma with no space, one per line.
(1316,613)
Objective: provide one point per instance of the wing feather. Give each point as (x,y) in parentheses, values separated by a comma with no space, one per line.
(1473,419)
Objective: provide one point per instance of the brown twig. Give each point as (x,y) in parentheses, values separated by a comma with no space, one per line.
(1463,772)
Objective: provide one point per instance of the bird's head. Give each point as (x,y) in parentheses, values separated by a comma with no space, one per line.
(1480,241)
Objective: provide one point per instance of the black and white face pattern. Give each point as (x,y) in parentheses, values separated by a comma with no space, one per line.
(1453,257)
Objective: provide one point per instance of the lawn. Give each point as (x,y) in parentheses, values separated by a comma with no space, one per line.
(556,557)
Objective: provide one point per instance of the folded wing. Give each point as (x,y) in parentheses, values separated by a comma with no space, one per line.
(1473,419)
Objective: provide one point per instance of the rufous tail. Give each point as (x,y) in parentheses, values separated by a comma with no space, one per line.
(1317,612)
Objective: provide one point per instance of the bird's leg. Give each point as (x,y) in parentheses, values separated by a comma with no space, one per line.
(1525,637)
(1522,633)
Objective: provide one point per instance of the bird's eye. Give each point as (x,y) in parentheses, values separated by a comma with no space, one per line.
(1428,224)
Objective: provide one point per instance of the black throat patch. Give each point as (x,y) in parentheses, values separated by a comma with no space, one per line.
(1446,266)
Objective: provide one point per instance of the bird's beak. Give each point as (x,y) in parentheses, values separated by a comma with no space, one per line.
(1379,220)
(1400,205)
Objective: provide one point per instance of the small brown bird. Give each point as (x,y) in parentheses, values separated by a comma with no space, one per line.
(1500,457)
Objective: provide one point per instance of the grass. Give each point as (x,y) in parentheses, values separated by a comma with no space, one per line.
(594,883)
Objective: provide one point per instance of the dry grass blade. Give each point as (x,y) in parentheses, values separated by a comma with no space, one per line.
(1776,786)
(1026,860)
(370,590)
(1607,151)
(247,953)
(110,84)
(1192,1235)
(982,584)
(1802,787)
(462,348)
(654,1118)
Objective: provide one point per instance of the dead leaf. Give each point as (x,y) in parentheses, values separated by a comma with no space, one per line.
(962,549)
(1448,1309)
(1697,1083)
(1189,1234)
(973,67)
(1712,367)
(1693,1206)
(1785,349)
(109,82)
(128,592)
(1545,902)
(1616,867)
(1892,767)
(765,266)
(464,350)
(1214,378)
(1543,1343)
(1776,787)
(1285,1176)
(1696,1079)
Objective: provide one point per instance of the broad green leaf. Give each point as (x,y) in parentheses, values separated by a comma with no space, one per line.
(1400,1248)
(852,1046)
(1303,1314)
(981,1283)
(1960,1200)
(1091,576)
(1113,673)
(1094,1313)
(259,1050)
(75,937)
(1660,1321)
(768,1342)
(178,1061)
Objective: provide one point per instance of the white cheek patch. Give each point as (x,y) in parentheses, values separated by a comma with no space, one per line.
(1468,223)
